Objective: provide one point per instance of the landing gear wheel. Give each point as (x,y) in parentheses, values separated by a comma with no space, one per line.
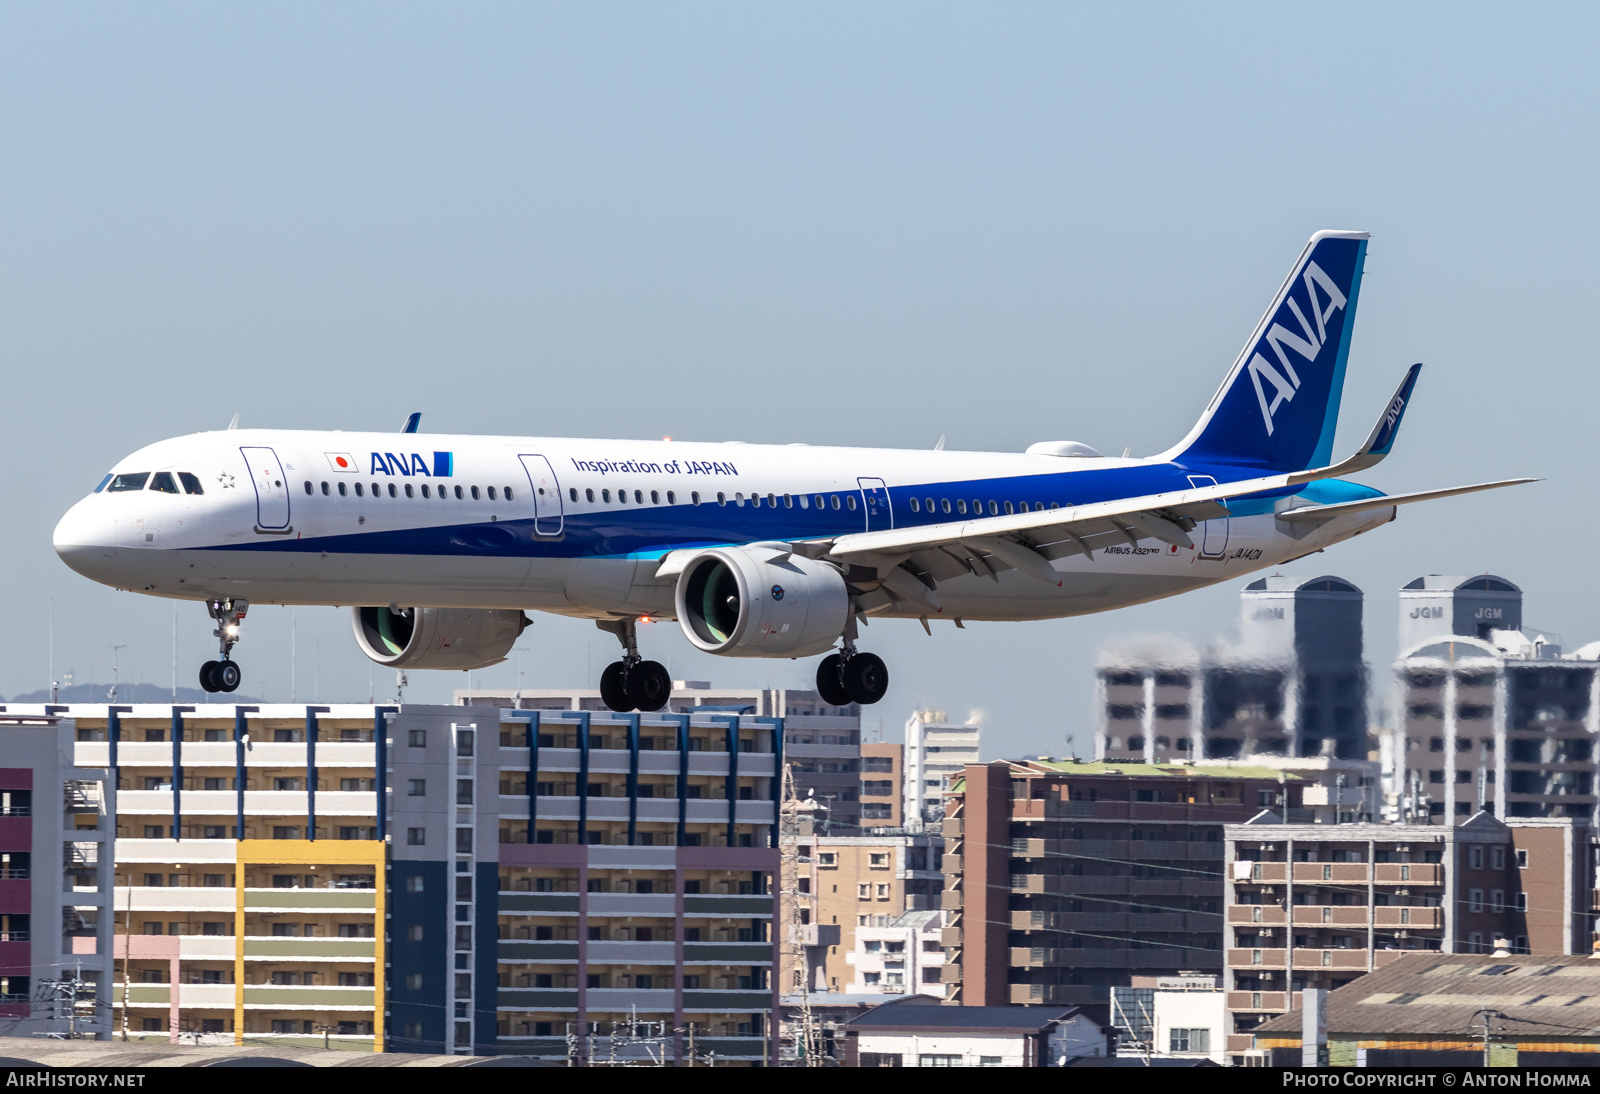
(227,676)
(830,681)
(866,678)
(614,688)
(208,676)
(649,685)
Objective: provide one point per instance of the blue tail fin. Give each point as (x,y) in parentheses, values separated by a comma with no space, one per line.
(1278,407)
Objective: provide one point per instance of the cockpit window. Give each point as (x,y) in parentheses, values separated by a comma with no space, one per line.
(102,485)
(191,483)
(128,481)
(162,481)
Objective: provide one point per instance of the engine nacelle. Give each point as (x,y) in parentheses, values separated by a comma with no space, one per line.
(736,603)
(437,638)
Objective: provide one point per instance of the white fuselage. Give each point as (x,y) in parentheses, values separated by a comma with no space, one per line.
(578,527)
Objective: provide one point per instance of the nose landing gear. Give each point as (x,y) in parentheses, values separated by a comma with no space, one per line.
(223,674)
(632,683)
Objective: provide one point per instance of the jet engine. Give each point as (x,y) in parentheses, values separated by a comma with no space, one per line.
(437,638)
(758,602)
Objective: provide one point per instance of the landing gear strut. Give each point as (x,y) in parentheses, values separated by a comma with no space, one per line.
(223,674)
(850,676)
(632,683)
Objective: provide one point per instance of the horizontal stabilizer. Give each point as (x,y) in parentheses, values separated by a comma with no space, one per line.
(1324,512)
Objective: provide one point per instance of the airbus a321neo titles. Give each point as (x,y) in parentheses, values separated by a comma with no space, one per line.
(441,542)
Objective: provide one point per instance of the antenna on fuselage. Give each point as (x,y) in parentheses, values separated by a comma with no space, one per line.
(234,423)
(939,444)
(412,422)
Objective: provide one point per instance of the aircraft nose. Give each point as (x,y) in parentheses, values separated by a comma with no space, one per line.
(83,540)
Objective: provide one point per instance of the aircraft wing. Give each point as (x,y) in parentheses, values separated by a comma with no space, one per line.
(1322,512)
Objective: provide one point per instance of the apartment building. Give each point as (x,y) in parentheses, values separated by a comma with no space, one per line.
(1492,717)
(1293,685)
(441,879)
(848,884)
(936,750)
(822,742)
(883,769)
(904,955)
(55,883)
(1318,906)
(1065,879)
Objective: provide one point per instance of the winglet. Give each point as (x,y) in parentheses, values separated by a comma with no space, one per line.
(1379,441)
(412,422)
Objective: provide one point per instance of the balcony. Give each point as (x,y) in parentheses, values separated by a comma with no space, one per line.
(1330,959)
(317,900)
(262,947)
(950,900)
(1275,1001)
(1066,994)
(1268,915)
(1338,873)
(1421,918)
(1258,959)
(1408,873)
(1349,915)
(1266,872)
(332,998)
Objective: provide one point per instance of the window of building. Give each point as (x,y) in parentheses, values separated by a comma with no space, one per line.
(1474,900)
(1189,1040)
(1522,860)
(416,788)
(416,837)
(1475,858)
(418,738)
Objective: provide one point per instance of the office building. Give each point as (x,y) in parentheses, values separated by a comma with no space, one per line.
(883,785)
(904,955)
(1318,906)
(1294,685)
(1492,716)
(1066,879)
(55,883)
(936,750)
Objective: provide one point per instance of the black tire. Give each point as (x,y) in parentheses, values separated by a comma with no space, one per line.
(227,675)
(614,688)
(830,681)
(649,685)
(208,676)
(866,678)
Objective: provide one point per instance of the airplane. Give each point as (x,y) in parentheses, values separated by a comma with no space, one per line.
(439,544)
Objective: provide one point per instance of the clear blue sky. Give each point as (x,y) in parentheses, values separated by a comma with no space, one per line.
(833,223)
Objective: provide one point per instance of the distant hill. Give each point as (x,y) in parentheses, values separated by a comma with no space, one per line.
(130,693)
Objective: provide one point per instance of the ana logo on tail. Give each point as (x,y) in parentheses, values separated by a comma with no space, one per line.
(1287,382)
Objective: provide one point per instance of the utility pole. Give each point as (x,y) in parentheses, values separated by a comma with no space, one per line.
(793,811)
(127,933)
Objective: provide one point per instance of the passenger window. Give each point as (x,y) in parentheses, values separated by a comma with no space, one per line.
(914,505)
(961,505)
(945,505)
(622,497)
(788,501)
(836,501)
(977,507)
(588,494)
(491,493)
(694,497)
(1055,505)
(638,496)
(376,490)
(341,489)
(738,498)
(805,501)
(359,491)
(772,501)
(821,502)
(655,497)
(929,504)
(1008,507)
(572,492)
(308,487)
(191,483)
(102,485)
(508,494)
(672,499)
(605,496)
(475,495)
(134,481)
(459,493)
(994,509)
(324,488)
(391,490)
(850,500)
(755,500)
(409,492)
(722,499)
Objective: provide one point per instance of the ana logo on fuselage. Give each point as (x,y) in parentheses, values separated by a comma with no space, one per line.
(1286,382)
(408,464)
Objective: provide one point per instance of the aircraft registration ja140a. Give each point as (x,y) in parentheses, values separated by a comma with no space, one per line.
(442,543)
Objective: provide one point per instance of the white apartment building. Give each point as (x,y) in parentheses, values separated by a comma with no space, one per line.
(904,956)
(936,751)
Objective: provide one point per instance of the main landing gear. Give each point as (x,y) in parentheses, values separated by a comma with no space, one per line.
(850,676)
(632,683)
(223,674)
